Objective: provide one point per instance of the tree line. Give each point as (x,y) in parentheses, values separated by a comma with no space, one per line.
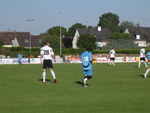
(107,20)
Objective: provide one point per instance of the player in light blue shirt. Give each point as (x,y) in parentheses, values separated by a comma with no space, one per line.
(20,58)
(86,58)
(148,59)
(148,56)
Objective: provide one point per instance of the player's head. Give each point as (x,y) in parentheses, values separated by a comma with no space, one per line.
(87,48)
(47,43)
(142,47)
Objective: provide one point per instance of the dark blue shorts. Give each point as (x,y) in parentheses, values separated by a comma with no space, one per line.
(88,77)
(88,72)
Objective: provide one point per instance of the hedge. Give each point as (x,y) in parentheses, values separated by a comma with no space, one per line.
(12,52)
(124,51)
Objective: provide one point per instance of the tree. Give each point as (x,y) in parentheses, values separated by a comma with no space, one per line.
(56,30)
(126,36)
(121,44)
(126,24)
(117,36)
(87,40)
(53,39)
(1,42)
(67,42)
(110,21)
(73,28)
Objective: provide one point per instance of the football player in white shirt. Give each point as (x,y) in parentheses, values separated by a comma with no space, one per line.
(112,57)
(142,57)
(46,59)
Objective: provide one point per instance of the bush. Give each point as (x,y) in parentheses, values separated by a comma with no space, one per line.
(18,49)
(121,51)
(68,51)
(13,52)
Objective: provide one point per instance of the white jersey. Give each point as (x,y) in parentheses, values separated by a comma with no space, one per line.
(47,52)
(142,53)
(112,53)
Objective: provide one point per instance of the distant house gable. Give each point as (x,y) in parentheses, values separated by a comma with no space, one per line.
(137,32)
(141,35)
(16,39)
(102,35)
(15,42)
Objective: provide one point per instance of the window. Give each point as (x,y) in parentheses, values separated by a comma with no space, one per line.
(40,41)
(26,41)
(137,37)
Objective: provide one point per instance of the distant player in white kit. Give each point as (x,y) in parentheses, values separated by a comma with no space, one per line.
(112,57)
(142,57)
(46,59)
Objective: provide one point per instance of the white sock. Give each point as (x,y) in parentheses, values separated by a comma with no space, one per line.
(44,76)
(53,74)
(139,64)
(146,72)
(145,64)
(84,81)
(113,63)
(110,62)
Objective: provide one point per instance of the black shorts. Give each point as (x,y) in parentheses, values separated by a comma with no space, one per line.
(112,59)
(88,77)
(47,64)
(142,59)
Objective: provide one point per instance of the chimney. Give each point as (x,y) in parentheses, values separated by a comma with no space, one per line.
(99,28)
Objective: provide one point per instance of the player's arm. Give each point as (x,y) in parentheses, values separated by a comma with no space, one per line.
(53,56)
(91,58)
(41,56)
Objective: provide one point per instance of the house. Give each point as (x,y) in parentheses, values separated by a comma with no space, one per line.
(16,39)
(141,35)
(102,36)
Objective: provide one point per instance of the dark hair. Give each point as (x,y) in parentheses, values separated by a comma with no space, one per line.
(47,42)
(88,48)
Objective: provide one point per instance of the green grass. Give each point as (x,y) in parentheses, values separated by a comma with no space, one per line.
(119,89)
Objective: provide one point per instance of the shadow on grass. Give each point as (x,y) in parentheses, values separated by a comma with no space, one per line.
(143,76)
(47,80)
(79,82)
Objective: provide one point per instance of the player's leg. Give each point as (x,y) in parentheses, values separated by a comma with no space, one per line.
(147,71)
(50,65)
(113,61)
(44,75)
(145,62)
(19,61)
(44,71)
(53,75)
(139,64)
(88,75)
(85,81)
(110,62)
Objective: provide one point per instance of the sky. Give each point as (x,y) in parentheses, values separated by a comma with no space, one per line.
(14,13)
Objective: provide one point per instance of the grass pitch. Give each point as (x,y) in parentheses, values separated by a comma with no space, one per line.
(119,89)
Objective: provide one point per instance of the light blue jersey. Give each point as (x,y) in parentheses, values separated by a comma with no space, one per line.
(20,57)
(148,55)
(86,58)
